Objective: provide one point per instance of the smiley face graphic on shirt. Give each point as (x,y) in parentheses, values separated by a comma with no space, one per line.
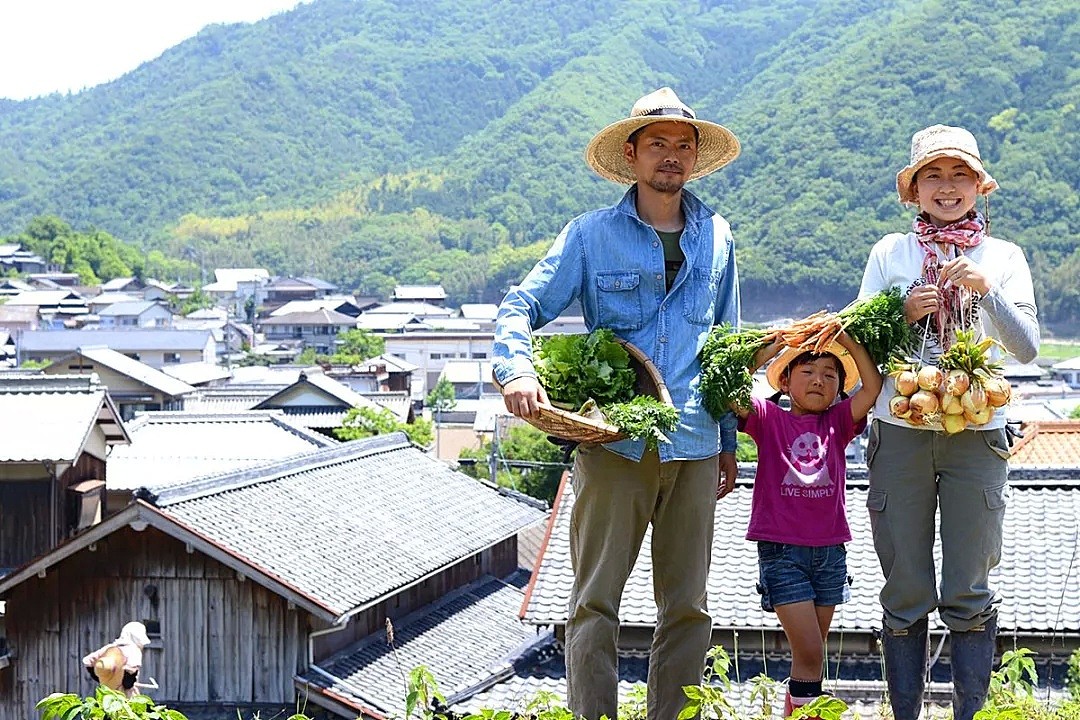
(807,466)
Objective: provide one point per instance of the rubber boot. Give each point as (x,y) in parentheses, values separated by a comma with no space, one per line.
(972,663)
(907,653)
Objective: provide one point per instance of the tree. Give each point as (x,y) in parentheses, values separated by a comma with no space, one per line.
(198,300)
(441,398)
(307,356)
(528,462)
(365,422)
(356,346)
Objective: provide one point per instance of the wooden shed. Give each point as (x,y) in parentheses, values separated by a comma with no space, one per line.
(248,580)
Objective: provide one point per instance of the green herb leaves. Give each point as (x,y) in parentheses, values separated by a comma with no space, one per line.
(643,417)
(574,368)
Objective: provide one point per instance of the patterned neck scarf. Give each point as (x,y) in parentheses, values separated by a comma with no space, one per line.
(963,234)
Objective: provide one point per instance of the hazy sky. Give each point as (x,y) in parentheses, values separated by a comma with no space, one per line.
(59,45)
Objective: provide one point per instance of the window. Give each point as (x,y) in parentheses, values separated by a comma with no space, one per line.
(171,357)
(479,356)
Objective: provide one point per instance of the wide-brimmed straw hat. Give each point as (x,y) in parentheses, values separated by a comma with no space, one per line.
(780,363)
(938,141)
(109,668)
(717,146)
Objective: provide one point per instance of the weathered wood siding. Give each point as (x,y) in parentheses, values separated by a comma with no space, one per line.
(35,516)
(222,639)
(25,529)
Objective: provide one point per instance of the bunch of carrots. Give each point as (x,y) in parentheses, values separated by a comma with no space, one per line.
(877,323)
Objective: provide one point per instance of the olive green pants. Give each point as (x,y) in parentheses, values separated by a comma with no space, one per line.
(914,474)
(615,501)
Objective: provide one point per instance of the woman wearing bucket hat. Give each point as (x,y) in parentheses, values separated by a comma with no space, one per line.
(659,270)
(797,515)
(956,277)
(117,664)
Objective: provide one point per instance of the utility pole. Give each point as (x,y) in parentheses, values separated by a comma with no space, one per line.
(493,456)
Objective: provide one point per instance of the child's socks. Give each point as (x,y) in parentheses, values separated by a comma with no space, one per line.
(799,693)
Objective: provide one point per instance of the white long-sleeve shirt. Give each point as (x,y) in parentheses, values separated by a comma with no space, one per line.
(1007,313)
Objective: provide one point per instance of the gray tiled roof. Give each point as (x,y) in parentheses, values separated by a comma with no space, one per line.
(322,316)
(120,340)
(127,309)
(132,368)
(50,417)
(169,448)
(327,385)
(347,525)
(48,425)
(463,639)
(228,398)
(1036,576)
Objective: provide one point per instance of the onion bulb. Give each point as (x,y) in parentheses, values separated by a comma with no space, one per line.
(957,382)
(916,418)
(951,405)
(924,402)
(900,406)
(953,423)
(974,399)
(998,391)
(907,382)
(930,377)
(979,417)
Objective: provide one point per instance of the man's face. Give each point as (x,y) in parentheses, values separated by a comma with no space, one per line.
(663,156)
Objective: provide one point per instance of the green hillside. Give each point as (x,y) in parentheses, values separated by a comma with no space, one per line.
(374,143)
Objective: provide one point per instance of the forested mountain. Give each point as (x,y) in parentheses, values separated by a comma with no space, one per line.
(441,141)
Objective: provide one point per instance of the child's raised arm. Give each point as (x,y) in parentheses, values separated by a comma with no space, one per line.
(762,356)
(864,398)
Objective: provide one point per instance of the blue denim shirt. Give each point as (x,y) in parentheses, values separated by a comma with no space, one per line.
(613,263)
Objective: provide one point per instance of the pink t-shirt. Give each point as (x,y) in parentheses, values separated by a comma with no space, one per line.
(799,486)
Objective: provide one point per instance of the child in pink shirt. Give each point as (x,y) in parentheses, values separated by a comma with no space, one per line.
(797,516)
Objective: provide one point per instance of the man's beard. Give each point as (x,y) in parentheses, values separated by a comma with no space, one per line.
(662,183)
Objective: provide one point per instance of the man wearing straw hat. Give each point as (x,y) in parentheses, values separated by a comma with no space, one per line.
(658,269)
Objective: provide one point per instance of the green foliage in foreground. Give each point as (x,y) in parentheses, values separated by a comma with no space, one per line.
(1011,697)
(104,704)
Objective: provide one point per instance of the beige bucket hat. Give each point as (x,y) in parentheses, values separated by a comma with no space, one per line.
(717,146)
(776,367)
(939,141)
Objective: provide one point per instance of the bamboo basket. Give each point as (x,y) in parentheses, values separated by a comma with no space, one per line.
(578,428)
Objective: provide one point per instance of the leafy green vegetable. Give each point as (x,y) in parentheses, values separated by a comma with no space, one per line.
(725,361)
(643,417)
(575,368)
(878,324)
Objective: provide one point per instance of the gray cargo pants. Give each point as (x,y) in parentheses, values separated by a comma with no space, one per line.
(914,473)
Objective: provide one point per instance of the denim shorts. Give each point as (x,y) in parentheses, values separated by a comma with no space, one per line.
(796,573)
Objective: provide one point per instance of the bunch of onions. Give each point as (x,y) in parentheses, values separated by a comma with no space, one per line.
(953,398)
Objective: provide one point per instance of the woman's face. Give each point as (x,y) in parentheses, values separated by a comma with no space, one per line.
(946,189)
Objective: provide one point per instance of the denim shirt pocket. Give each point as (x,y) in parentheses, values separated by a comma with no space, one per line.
(618,300)
(699,295)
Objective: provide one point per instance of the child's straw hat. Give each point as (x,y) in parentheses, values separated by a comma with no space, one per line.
(717,146)
(777,366)
(938,141)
